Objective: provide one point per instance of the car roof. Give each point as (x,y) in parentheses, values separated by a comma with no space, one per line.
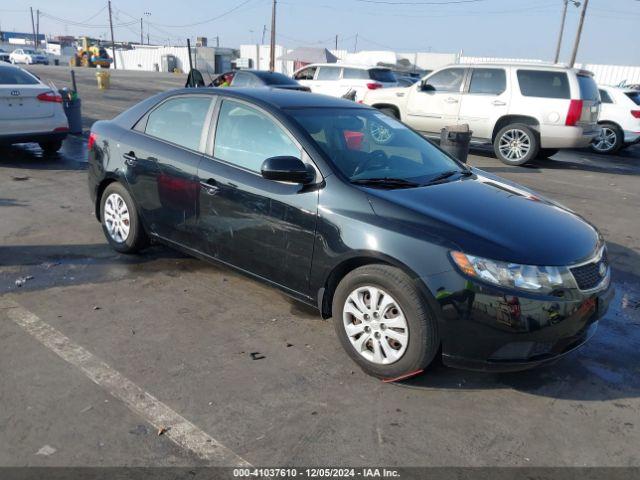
(537,65)
(345,65)
(277,97)
(617,89)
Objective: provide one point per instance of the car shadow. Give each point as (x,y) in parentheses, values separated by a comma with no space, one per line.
(29,156)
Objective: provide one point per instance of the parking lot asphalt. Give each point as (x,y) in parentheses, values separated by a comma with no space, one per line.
(99,350)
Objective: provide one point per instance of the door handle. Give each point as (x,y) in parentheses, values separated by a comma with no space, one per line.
(130,158)
(210,187)
(451,100)
(498,103)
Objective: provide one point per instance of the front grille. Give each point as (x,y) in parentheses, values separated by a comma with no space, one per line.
(590,275)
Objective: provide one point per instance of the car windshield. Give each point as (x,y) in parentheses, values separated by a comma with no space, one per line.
(29,52)
(365,144)
(588,88)
(15,76)
(382,75)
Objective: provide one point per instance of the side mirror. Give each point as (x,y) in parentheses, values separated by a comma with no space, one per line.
(287,169)
(425,87)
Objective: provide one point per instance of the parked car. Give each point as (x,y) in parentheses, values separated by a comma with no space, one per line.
(405,81)
(28,56)
(523,110)
(350,211)
(4,55)
(31,111)
(338,80)
(619,119)
(258,78)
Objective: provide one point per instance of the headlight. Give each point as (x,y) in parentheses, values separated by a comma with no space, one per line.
(531,278)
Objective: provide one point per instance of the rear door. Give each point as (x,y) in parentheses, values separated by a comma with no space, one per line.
(430,110)
(328,81)
(162,154)
(261,226)
(21,111)
(590,97)
(485,100)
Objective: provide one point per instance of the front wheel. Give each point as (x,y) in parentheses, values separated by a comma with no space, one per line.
(516,144)
(609,141)
(383,323)
(120,221)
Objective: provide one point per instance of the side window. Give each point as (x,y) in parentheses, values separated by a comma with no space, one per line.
(605,97)
(355,74)
(180,120)
(244,79)
(306,73)
(546,84)
(246,137)
(491,81)
(329,73)
(448,80)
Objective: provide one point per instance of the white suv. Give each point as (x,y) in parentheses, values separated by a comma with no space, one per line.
(338,80)
(524,110)
(619,119)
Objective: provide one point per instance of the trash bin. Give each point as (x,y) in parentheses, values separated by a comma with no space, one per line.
(454,140)
(72,109)
(71,105)
(103,80)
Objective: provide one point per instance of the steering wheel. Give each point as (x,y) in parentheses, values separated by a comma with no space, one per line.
(375,156)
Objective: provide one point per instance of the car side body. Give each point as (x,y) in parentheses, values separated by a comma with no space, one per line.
(558,105)
(28,57)
(619,119)
(305,238)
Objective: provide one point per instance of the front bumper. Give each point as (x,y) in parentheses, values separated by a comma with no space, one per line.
(35,137)
(493,329)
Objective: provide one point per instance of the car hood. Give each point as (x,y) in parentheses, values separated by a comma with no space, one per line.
(490,217)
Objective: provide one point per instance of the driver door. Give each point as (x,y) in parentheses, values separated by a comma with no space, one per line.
(431,109)
(261,226)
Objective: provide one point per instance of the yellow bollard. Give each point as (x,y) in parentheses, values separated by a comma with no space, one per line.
(103,80)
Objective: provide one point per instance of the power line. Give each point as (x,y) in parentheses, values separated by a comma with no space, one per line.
(217,17)
(448,2)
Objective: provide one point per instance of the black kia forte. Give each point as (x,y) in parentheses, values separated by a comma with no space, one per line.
(412,253)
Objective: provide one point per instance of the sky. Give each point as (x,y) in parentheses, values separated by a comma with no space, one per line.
(494,28)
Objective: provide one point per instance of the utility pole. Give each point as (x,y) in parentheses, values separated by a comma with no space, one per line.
(141,33)
(576,44)
(217,41)
(564,17)
(272,49)
(37,25)
(113,43)
(336,42)
(33,27)
(355,46)
(264,32)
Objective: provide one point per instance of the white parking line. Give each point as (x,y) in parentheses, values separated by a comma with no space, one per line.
(180,430)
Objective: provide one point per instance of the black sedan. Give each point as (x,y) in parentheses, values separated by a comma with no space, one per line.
(412,253)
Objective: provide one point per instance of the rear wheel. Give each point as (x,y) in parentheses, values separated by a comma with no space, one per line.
(51,147)
(516,144)
(392,112)
(610,140)
(383,323)
(120,221)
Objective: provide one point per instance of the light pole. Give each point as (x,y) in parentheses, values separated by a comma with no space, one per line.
(564,17)
(578,34)
(147,14)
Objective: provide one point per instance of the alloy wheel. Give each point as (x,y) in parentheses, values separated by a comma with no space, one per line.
(375,325)
(606,141)
(116,218)
(514,144)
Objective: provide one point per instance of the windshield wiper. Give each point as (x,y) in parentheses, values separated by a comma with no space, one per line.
(447,174)
(385,182)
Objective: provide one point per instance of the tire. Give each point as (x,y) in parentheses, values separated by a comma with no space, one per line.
(52,147)
(392,112)
(547,152)
(525,140)
(415,350)
(113,199)
(611,140)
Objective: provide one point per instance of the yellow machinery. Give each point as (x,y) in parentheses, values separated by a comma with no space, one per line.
(91,56)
